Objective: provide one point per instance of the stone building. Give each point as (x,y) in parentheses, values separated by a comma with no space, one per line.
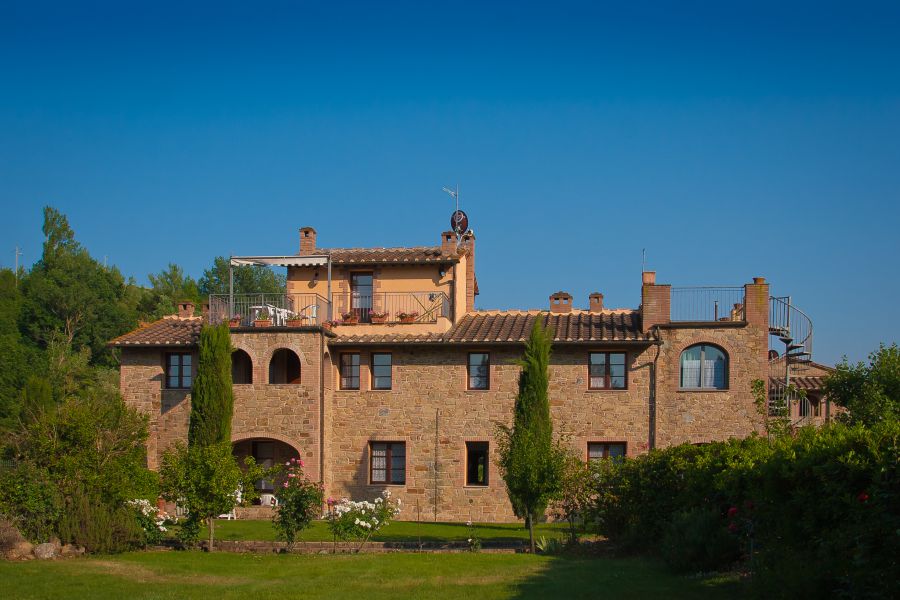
(376,368)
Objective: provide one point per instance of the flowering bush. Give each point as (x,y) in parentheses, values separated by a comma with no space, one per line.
(153,520)
(350,520)
(299,502)
(473,540)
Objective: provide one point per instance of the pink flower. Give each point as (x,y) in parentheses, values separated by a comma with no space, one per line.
(285,484)
(732,511)
(301,463)
(291,475)
(863,497)
(331,501)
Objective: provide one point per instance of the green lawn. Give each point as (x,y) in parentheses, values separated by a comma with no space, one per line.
(160,575)
(397,531)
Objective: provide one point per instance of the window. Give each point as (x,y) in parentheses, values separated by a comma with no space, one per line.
(607,371)
(599,451)
(350,371)
(381,371)
(284,367)
(241,367)
(476,463)
(704,367)
(388,462)
(479,371)
(178,371)
(361,287)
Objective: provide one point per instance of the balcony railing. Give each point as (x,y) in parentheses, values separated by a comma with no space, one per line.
(390,307)
(312,309)
(707,304)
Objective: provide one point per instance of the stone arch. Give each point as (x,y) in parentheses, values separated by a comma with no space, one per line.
(241,367)
(284,367)
(265,434)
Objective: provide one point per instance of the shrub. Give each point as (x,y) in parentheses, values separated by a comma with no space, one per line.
(98,527)
(349,520)
(573,501)
(698,540)
(299,503)
(152,520)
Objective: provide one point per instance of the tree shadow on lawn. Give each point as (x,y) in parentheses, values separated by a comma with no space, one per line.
(457,532)
(594,577)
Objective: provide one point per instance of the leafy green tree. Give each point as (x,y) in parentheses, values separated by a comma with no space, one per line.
(869,392)
(530,462)
(37,397)
(69,292)
(207,481)
(212,396)
(247,279)
(18,358)
(574,499)
(169,287)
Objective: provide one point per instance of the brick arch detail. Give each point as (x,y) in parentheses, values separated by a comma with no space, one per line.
(268,435)
(271,350)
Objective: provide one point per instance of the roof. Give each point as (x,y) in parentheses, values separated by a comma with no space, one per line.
(413,255)
(168,331)
(513,327)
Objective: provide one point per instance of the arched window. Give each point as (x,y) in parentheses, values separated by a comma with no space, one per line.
(704,367)
(241,367)
(284,367)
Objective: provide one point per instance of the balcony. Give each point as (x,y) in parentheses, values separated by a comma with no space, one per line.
(700,304)
(313,309)
(392,307)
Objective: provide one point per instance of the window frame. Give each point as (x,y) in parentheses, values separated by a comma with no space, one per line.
(608,377)
(606,446)
(703,345)
(358,376)
(487,378)
(389,460)
(390,375)
(181,377)
(487,463)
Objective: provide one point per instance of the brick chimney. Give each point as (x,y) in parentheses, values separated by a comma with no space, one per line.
(468,241)
(307,240)
(756,303)
(448,243)
(656,302)
(561,302)
(185,309)
(595,304)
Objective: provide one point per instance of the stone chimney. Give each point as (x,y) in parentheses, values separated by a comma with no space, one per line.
(468,241)
(656,302)
(185,309)
(595,304)
(561,302)
(448,243)
(756,303)
(307,240)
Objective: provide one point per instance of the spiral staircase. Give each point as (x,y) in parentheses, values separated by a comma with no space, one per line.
(791,339)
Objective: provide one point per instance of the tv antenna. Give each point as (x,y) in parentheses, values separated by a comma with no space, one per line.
(459,221)
(18,254)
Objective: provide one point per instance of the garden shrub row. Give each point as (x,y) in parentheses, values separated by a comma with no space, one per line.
(811,515)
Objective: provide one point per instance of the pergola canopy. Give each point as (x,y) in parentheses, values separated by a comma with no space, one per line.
(280,261)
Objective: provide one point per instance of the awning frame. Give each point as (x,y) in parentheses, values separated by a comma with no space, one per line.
(311,260)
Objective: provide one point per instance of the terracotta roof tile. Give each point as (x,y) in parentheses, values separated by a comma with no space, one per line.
(514,327)
(414,255)
(168,331)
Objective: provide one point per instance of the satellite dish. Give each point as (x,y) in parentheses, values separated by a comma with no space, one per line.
(459,222)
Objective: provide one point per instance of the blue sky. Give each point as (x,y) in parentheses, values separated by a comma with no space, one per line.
(730,140)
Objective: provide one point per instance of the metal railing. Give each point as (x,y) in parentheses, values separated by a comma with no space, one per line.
(707,304)
(312,309)
(788,321)
(387,307)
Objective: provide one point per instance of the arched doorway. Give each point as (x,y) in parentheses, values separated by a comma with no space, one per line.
(267,452)
(284,367)
(241,367)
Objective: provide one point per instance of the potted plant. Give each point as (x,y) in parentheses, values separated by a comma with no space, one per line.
(378,317)
(407,317)
(234,321)
(350,318)
(329,324)
(296,321)
(263,319)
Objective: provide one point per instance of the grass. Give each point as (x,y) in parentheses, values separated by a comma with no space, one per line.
(397,531)
(162,575)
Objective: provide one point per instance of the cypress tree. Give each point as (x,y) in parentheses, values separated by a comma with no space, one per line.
(530,462)
(212,398)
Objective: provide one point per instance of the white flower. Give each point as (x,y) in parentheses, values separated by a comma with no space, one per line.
(468,523)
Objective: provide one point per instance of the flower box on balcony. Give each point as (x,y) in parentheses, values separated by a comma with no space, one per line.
(234,321)
(378,318)
(349,318)
(407,317)
(262,322)
(298,322)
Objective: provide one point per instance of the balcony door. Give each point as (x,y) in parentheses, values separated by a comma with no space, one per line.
(361,295)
